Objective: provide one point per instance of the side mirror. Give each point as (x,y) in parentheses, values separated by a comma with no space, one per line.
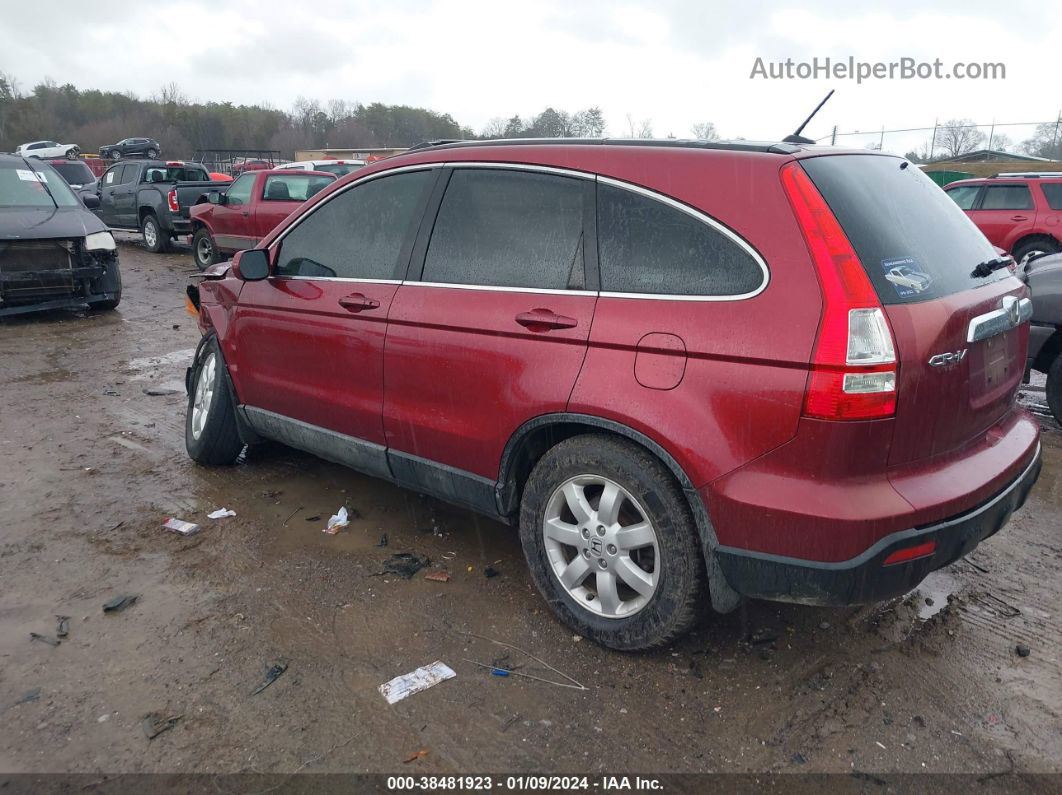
(91,200)
(213,197)
(251,265)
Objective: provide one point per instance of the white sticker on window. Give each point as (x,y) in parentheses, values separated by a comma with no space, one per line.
(25,175)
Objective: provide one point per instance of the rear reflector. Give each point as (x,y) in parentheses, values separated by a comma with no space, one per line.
(853,366)
(911,553)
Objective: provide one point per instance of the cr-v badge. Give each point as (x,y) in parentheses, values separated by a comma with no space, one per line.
(944,359)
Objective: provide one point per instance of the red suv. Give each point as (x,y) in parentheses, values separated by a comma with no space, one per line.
(1020,213)
(685,371)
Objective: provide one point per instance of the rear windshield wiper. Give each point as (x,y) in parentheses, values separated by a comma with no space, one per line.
(987,267)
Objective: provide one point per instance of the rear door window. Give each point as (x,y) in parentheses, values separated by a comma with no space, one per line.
(965,196)
(1053,194)
(508,228)
(914,242)
(361,233)
(1007,197)
(651,247)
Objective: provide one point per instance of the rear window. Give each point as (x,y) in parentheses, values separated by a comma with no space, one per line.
(1053,194)
(1007,197)
(914,242)
(75,172)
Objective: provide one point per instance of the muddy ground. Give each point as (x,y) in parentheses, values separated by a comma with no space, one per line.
(91,466)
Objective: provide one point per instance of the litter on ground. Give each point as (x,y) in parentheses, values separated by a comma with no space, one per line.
(421,679)
(180,526)
(220,513)
(337,522)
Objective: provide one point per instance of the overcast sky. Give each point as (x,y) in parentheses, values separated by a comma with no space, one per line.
(676,62)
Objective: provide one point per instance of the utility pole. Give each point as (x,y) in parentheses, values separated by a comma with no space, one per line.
(933,141)
(1054,138)
(881,141)
(992,134)
(833,138)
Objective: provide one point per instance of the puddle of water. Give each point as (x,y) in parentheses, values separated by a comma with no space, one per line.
(932,595)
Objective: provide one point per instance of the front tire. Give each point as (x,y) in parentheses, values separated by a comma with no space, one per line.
(1036,246)
(115,155)
(152,154)
(204,250)
(1054,388)
(210,432)
(73,154)
(611,544)
(155,239)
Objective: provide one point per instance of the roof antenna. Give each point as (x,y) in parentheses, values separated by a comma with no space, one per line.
(797,138)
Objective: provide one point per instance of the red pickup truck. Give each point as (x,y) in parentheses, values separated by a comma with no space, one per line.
(238,216)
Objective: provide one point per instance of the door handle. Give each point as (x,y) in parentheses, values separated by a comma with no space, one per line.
(356,302)
(543,320)
(1019,218)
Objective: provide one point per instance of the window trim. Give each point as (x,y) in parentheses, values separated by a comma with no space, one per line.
(726,231)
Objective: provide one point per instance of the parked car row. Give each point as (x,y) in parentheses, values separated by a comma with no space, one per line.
(686,372)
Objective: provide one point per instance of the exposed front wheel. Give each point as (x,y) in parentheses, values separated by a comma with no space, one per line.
(210,432)
(155,240)
(611,544)
(203,249)
(115,155)
(73,154)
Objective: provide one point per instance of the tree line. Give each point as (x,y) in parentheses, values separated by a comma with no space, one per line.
(957,137)
(92,118)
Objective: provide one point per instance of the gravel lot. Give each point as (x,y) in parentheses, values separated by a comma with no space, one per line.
(92,465)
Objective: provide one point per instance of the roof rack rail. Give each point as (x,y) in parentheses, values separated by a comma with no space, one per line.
(1028,174)
(774,147)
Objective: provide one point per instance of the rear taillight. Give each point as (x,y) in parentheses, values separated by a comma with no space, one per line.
(171,200)
(853,366)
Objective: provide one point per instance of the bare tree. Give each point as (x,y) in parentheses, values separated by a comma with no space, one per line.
(705,131)
(495,128)
(959,137)
(642,129)
(171,94)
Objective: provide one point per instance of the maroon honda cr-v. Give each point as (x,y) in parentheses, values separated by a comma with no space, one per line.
(685,371)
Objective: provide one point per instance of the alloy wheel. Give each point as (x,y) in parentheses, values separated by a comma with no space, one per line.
(204,395)
(601,546)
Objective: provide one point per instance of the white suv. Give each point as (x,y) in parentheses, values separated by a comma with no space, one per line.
(46,149)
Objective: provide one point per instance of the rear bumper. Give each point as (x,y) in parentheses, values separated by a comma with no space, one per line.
(866,578)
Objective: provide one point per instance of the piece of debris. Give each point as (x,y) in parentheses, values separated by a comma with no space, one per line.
(799,758)
(405,564)
(119,603)
(29,695)
(157,391)
(438,576)
(421,679)
(383,541)
(43,639)
(413,757)
(1022,650)
(62,627)
(155,724)
(110,392)
(106,716)
(315,518)
(271,676)
(500,672)
(490,571)
(337,522)
(824,625)
(180,526)
(220,513)
(762,637)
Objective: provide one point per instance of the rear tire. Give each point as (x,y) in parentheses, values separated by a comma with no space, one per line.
(155,239)
(644,581)
(210,432)
(204,250)
(73,154)
(115,155)
(1054,388)
(152,154)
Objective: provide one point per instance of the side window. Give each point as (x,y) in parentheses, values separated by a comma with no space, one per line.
(239,192)
(1007,197)
(111,177)
(129,173)
(964,196)
(647,246)
(360,233)
(508,228)
(1053,194)
(292,187)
